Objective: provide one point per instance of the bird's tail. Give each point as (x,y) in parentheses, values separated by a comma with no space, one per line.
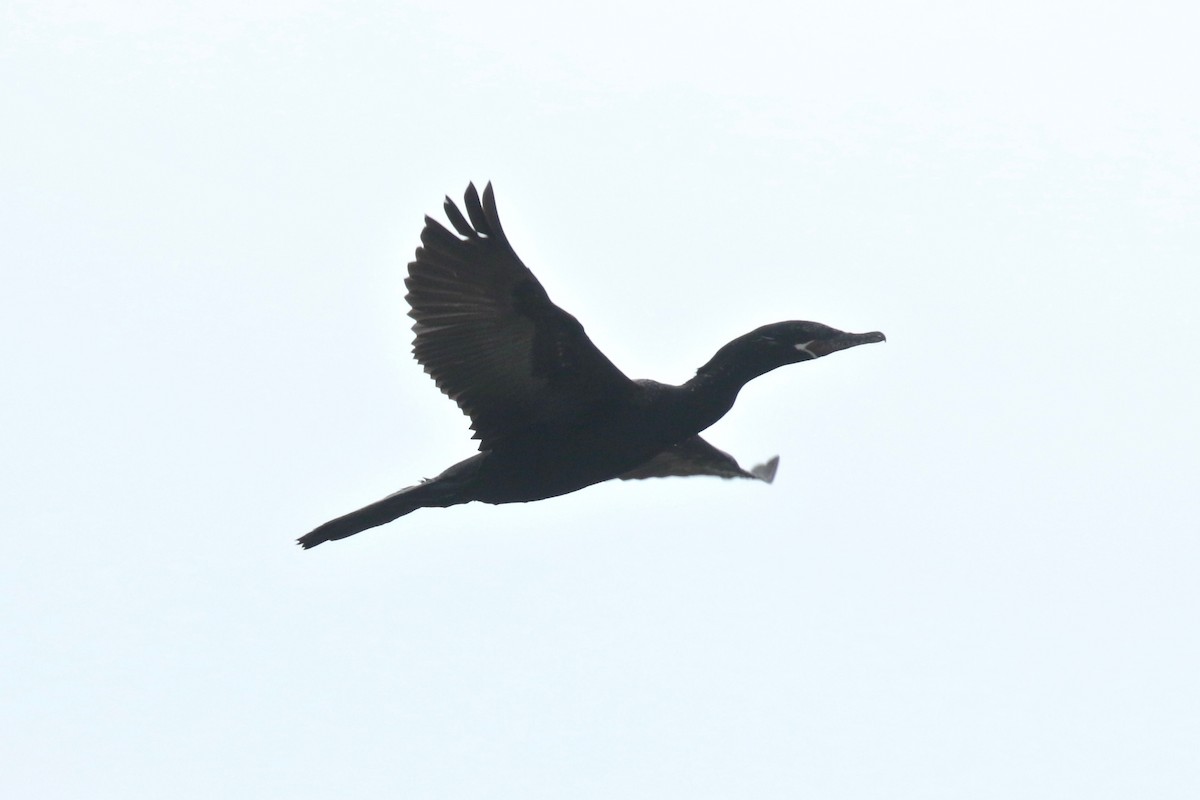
(447,489)
(379,512)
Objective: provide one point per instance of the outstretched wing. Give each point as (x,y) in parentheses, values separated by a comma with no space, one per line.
(491,338)
(695,456)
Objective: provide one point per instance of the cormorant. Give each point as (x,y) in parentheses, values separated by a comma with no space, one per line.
(552,414)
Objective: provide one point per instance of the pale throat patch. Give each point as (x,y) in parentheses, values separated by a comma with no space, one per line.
(803,348)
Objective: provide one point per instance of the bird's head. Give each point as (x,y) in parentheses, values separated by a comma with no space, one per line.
(794,341)
(779,344)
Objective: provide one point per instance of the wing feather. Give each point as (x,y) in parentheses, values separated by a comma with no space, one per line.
(490,337)
(695,456)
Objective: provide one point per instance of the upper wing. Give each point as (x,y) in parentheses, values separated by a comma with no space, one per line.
(489,336)
(695,456)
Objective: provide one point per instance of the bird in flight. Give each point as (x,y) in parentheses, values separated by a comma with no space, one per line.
(552,414)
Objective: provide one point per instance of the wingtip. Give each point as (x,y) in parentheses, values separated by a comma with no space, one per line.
(492,214)
(456,219)
(765,472)
(475,211)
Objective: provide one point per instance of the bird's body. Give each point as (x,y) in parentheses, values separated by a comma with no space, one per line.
(612,440)
(552,413)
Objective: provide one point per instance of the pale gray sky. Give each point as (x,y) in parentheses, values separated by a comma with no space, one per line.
(974,577)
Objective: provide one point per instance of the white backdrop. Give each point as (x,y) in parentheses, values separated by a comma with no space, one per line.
(975,575)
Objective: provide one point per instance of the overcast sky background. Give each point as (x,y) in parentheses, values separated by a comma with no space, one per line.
(974,577)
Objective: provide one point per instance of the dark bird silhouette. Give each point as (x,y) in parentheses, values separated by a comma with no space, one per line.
(552,414)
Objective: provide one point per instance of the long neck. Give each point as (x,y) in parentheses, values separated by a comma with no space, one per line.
(739,362)
(716,384)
